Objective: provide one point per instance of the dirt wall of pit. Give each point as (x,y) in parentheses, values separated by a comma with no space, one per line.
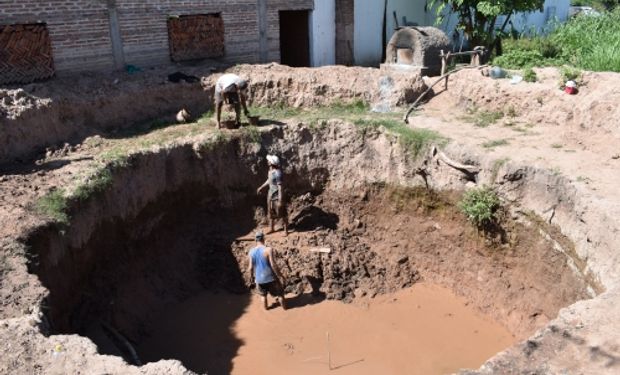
(184,173)
(69,109)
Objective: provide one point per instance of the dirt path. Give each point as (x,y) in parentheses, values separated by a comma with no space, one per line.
(421,330)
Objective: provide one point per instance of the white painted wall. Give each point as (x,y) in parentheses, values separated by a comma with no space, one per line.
(367,32)
(323,33)
(413,10)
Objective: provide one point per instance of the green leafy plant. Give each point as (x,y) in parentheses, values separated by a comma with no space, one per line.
(480,206)
(568,73)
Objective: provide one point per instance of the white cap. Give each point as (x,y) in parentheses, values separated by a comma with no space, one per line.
(571,84)
(273,160)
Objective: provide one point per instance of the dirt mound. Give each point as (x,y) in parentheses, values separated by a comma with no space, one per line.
(593,109)
(14,102)
(275,84)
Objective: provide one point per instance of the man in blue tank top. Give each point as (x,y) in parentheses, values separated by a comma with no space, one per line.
(261,264)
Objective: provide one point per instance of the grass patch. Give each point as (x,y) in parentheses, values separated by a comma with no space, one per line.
(206,118)
(54,205)
(251,134)
(94,184)
(495,143)
(414,140)
(556,145)
(278,111)
(116,156)
(483,119)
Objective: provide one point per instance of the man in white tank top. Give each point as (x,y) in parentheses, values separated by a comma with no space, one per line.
(233,90)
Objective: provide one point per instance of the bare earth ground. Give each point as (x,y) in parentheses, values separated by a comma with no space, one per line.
(576,137)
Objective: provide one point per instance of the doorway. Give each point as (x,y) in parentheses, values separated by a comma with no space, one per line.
(294,38)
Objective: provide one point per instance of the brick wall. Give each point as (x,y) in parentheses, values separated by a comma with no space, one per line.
(145,34)
(80,29)
(344,32)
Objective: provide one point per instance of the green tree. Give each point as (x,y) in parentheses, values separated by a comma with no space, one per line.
(477,19)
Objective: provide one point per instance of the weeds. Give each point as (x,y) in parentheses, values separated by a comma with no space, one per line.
(497,164)
(483,119)
(54,205)
(251,134)
(480,206)
(116,157)
(529,75)
(96,183)
(495,143)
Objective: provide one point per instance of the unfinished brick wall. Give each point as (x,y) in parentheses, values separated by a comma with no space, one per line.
(79,30)
(344,32)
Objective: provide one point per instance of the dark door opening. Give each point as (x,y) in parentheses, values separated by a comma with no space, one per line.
(294,38)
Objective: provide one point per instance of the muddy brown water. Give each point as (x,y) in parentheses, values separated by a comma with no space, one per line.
(424,329)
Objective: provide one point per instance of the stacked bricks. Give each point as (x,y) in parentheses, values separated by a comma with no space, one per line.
(79,30)
(25,53)
(196,37)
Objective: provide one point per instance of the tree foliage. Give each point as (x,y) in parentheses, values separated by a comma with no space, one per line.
(477,19)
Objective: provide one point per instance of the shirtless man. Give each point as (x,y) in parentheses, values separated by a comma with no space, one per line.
(266,273)
(232,89)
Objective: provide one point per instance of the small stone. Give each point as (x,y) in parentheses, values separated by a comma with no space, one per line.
(616,156)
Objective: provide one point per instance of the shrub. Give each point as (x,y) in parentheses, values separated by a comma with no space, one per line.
(587,42)
(529,75)
(480,206)
(516,59)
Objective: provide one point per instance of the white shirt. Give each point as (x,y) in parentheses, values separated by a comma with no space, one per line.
(227,80)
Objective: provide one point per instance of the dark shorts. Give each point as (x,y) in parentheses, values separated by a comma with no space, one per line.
(232,97)
(275,210)
(274,288)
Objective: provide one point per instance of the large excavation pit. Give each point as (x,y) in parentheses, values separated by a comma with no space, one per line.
(384,274)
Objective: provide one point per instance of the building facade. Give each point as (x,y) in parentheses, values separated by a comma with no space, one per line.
(87,35)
